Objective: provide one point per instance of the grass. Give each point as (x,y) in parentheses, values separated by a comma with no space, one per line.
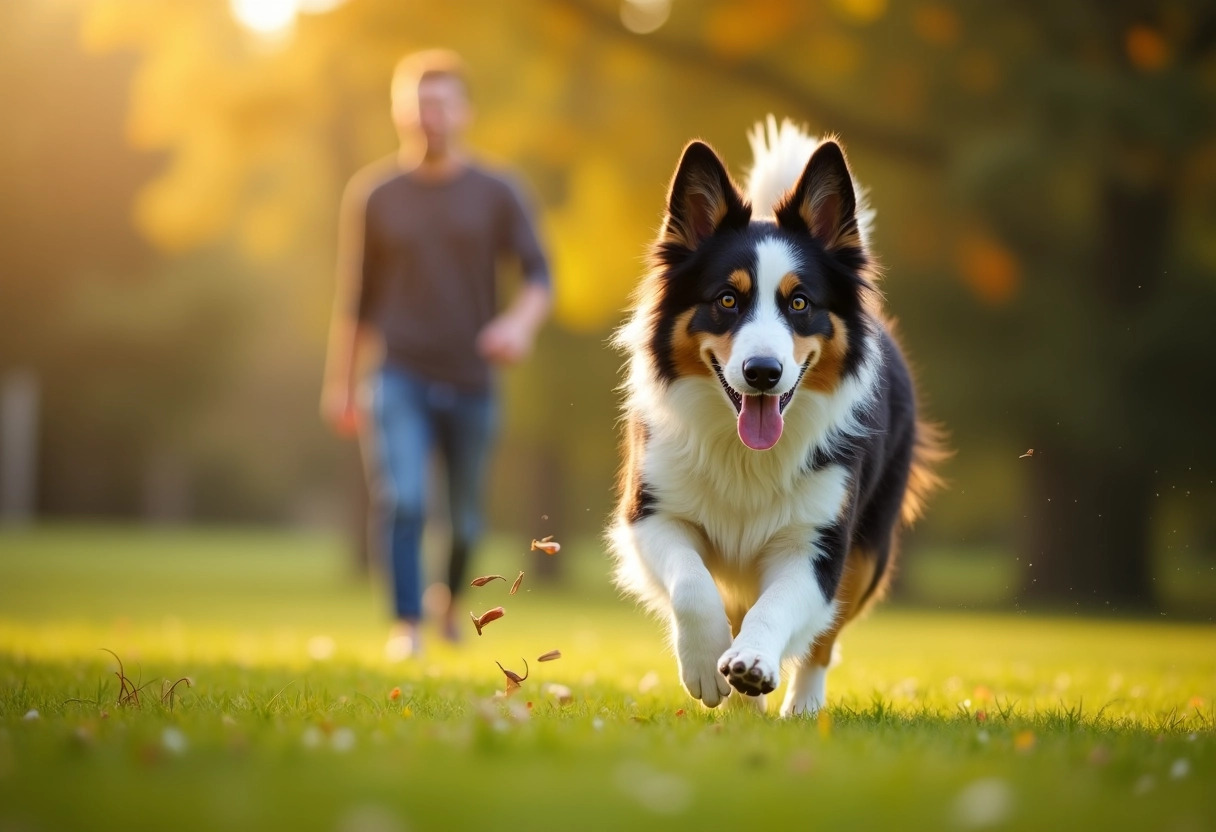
(938,720)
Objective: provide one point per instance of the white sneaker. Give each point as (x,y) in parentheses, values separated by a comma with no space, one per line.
(400,647)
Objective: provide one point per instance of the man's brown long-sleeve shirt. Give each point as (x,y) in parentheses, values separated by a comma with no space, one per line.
(430,252)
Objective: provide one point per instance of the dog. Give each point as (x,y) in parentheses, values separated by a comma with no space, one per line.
(772,449)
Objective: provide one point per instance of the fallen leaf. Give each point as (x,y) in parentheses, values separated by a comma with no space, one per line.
(550,656)
(824,722)
(1029,453)
(547,545)
(518,581)
(513,678)
(486,617)
(485,579)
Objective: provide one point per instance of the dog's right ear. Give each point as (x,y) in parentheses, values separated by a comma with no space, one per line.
(702,199)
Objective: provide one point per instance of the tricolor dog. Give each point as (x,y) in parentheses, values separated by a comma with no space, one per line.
(772,447)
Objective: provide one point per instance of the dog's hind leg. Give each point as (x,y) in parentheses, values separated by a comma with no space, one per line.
(807,691)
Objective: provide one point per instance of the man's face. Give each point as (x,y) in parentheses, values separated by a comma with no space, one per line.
(443,111)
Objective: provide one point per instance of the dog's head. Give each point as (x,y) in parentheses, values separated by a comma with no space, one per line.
(767,307)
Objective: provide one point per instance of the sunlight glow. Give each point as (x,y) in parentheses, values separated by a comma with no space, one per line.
(318,6)
(266,17)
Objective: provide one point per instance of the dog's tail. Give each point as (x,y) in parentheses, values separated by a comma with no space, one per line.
(928,453)
(781,153)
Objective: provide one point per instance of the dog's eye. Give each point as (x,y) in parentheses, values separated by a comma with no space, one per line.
(727,300)
(799,303)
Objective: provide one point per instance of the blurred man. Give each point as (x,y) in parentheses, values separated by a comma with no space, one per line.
(417,279)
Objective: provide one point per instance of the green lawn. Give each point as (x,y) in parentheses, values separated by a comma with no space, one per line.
(938,720)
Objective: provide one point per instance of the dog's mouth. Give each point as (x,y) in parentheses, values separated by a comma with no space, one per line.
(760,417)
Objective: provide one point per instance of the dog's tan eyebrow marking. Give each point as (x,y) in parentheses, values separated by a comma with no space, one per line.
(788,284)
(740,280)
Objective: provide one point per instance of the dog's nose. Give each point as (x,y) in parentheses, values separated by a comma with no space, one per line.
(762,373)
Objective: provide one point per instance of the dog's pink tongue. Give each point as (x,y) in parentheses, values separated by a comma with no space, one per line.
(760,422)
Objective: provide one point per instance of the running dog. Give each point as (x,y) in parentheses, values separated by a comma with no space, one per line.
(772,447)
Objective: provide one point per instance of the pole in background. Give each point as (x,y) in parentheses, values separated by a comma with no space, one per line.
(18,446)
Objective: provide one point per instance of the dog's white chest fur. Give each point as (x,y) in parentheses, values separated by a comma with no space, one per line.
(742,500)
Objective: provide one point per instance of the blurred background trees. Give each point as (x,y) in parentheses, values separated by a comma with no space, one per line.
(1044,175)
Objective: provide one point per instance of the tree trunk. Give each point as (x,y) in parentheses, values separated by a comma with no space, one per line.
(1088,536)
(1089,525)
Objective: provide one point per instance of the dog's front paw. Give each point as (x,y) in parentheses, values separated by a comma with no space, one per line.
(749,672)
(698,646)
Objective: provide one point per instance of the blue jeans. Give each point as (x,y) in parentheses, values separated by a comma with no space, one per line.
(412,417)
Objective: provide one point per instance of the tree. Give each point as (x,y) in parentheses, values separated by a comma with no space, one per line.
(1043,174)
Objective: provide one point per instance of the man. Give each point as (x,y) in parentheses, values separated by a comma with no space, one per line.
(417,279)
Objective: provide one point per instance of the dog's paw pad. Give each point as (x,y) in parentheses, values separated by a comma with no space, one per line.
(749,673)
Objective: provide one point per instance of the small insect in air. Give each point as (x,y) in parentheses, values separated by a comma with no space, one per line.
(1029,453)
(547,545)
(513,678)
(485,579)
(486,617)
(518,581)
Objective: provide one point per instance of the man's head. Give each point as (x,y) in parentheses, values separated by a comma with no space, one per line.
(430,96)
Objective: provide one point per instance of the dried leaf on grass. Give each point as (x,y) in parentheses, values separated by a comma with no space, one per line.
(514,679)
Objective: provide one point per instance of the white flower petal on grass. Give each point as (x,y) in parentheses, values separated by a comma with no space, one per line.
(321,648)
(659,791)
(983,803)
(173,740)
(312,737)
(343,740)
(31,715)
(561,693)
(1181,768)
(370,818)
(649,682)
(1144,785)
(597,724)
(906,688)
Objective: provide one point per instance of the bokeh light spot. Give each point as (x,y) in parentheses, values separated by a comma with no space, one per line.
(644,16)
(861,11)
(1147,49)
(937,24)
(988,267)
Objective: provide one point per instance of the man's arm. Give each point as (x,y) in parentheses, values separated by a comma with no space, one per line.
(508,338)
(349,335)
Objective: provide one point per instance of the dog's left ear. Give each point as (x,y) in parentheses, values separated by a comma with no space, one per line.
(702,199)
(824,202)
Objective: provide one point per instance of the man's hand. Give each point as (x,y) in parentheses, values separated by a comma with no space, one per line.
(505,340)
(338,409)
